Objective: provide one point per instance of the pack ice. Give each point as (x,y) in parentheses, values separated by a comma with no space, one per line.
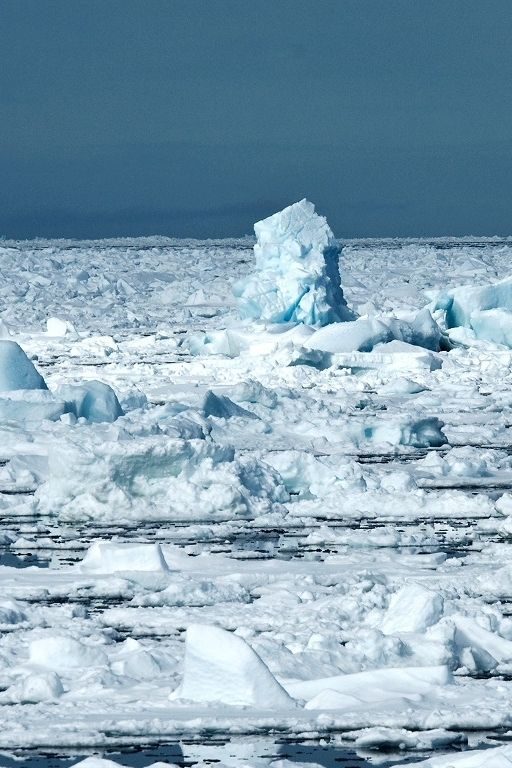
(296,522)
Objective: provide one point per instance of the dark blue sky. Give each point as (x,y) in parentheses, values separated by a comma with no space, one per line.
(197,117)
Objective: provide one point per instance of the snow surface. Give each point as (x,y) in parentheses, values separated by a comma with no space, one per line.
(334,503)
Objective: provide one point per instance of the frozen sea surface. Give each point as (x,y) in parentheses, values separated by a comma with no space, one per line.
(306,503)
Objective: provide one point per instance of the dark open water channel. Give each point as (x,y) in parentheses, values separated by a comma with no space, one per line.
(236,753)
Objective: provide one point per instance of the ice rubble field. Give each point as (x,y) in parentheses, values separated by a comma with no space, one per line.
(237,500)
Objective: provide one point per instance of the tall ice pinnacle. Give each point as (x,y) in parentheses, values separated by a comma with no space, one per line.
(297,276)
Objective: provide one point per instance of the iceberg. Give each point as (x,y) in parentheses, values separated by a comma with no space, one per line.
(493,325)
(297,277)
(30,405)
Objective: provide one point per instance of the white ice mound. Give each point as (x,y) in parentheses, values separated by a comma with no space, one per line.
(412,609)
(16,370)
(222,407)
(101,762)
(41,687)
(64,653)
(106,478)
(11,612)
(297,277)
(57,327)
(114,557)
(222,667)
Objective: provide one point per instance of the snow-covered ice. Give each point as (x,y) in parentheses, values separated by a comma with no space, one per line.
(296,523)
